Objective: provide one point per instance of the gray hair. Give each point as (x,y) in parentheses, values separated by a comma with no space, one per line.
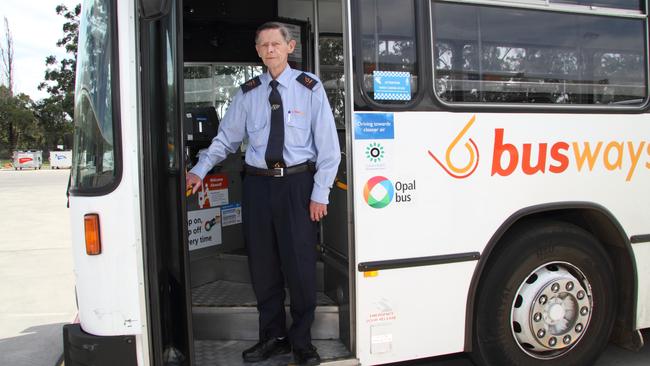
(286,34)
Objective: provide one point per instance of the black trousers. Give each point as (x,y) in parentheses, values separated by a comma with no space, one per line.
(281,242)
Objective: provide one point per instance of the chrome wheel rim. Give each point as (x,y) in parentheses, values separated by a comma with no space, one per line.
(551,310)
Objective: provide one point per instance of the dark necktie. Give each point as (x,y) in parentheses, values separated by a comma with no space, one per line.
(275,144)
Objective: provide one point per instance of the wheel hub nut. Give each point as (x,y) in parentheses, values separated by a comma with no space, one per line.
(579,327)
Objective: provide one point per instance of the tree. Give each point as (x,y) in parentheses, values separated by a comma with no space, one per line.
(8,129)
(54,122)
(60,79)
(55,113)
(19,127)
(7,55)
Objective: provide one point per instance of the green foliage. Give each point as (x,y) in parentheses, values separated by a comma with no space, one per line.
(44,124)
(18,126)
(54,122)
(60,75)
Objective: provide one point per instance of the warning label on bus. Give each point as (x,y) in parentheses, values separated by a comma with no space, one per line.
(214,191)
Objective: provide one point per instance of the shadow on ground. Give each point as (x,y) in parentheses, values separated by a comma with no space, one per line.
(39,345)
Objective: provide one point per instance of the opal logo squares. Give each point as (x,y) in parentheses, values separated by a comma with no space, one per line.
(379,192)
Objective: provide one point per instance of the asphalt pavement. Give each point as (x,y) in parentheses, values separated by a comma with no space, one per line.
(37,287)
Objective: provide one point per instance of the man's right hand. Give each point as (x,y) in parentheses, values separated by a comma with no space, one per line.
(193,182)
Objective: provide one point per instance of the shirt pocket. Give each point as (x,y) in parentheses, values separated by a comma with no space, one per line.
(256,134)
(298,130)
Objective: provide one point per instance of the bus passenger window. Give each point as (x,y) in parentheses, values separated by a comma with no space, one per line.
(616,4)
(507,55)
(389,50)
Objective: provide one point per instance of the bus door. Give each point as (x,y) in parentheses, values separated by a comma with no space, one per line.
(218,55)
(166,257)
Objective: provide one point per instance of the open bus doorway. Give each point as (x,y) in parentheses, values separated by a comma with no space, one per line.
(218,56)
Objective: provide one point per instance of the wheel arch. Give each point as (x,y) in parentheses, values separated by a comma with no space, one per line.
(595,219)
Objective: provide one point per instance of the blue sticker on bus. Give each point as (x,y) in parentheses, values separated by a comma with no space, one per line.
(374,126)
(391,85)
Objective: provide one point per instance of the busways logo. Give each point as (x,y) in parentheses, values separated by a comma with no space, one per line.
(379,192)
(469,168)
(553,157)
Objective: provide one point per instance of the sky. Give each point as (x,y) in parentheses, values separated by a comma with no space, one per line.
(35,27)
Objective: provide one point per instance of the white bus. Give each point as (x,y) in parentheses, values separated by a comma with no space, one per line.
(492,196)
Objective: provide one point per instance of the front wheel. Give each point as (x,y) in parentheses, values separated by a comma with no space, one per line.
(548,298)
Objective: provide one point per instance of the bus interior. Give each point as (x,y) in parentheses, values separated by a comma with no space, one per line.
(215,46)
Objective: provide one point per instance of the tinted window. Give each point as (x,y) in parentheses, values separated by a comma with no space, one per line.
(619,4)
(499,55)
(332,75)
(215,85)
(94,159)
(389,50)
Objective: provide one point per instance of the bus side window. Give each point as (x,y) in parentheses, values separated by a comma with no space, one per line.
(507,55)
(389,50)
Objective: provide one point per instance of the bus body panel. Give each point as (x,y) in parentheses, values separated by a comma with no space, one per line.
(107,284)
(642,256)
(444,183)
(110,286)
(448,215)
(410,313)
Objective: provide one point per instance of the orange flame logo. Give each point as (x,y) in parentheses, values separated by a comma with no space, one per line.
(467,170)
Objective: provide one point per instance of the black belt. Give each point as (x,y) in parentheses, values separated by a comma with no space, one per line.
(280,172)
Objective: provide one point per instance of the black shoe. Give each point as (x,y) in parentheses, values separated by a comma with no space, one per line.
(306,356)
(265,349)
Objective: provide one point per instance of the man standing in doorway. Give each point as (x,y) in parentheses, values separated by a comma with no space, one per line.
(291,161)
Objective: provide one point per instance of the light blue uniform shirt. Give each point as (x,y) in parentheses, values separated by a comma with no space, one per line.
(309,130)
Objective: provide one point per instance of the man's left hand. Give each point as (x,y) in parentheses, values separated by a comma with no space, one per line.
(317,210)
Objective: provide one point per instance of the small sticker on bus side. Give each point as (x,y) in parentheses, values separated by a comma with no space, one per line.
(381,338)
(374,126)
(231,214)
(391,85)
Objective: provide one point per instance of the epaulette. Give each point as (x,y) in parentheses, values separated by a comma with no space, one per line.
(306,80)
(251,84)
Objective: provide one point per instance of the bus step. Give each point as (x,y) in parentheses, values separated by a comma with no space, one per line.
(228,353)
(226,310)
(231,267)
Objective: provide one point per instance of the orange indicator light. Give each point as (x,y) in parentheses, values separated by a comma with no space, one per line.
(93,242)
(370,274)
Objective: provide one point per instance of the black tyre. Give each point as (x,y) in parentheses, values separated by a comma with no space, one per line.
(547,297)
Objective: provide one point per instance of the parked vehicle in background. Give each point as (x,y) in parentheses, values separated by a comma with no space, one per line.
(61,159)
(27,159)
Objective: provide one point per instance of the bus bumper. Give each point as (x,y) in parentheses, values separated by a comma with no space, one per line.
(81,348)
